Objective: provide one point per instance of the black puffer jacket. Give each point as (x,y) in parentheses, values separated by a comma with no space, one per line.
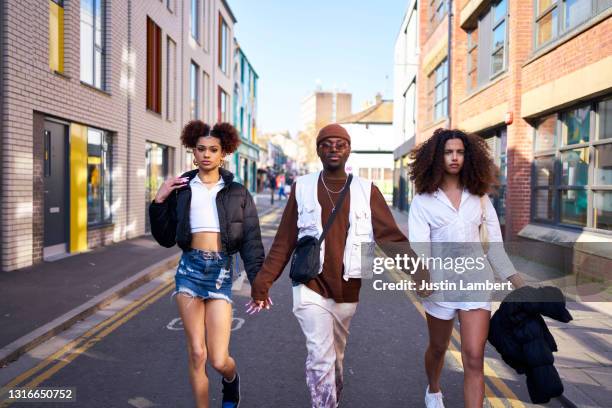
(238,221)
(518,332)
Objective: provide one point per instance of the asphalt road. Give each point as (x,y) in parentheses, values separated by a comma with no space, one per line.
(140,360)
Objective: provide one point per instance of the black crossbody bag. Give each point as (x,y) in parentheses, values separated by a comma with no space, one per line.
(305,263)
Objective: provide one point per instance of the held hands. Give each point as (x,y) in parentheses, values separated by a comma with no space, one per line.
(168,187)
(256,306)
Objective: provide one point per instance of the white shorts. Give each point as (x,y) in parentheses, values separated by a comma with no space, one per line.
(449,310)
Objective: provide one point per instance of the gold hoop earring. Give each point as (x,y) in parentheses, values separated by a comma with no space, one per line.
(195,163)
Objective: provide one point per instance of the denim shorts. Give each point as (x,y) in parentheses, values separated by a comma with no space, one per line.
(205,275)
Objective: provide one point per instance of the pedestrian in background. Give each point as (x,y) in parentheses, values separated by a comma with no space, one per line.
(210,217)
(453,172)
(272,184)
(280,184)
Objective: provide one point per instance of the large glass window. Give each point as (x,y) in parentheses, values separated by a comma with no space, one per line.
(572,172)
(99,168)
(499,12)
(92,43)
(437,11)
(556,17)
(487,45)
(440,91)
(194,19)
(223,44)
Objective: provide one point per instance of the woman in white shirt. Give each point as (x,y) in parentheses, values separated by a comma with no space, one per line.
(451,172)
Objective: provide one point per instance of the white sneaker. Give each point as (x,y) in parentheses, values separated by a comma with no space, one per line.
(433,400)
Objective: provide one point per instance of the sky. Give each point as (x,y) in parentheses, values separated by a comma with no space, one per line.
(293,45)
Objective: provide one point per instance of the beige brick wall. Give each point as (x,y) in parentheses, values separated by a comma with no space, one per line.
(30,86)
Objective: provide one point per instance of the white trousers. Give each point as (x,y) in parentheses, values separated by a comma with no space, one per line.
(325,325)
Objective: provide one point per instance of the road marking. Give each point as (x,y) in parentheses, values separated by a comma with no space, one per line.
(490,374)
(70,356)
(140,402)
(177,324)
(174,323)
(239,324)
(164,288)
(76,347)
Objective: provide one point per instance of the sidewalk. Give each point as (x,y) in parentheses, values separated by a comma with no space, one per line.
(40,301)
(584,359)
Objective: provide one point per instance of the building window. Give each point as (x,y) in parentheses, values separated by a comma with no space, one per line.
(159,163)
(99,168)
(498,53)
(194,19)
(437,86)
(170,80)
(194,88)
(497,141)
(222,106)
(554,18)
(223,44)
(56,35)
(572,179)
(487,46)
(92,43)
(437,11)
(154,66)
(206,95)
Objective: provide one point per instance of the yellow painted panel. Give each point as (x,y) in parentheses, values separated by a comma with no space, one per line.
(78,188)
(56,37)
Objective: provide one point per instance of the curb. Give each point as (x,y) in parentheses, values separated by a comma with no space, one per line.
(22,345)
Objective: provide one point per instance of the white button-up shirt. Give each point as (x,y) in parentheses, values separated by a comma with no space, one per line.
(433,218)
(203,214)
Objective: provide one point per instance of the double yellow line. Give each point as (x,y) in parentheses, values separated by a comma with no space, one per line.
(55,362)
(508,397)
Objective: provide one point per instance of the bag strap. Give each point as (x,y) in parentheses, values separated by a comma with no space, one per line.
(483,207)
(337,206)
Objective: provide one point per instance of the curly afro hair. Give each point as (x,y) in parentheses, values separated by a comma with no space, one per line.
(225,132)
(478,174)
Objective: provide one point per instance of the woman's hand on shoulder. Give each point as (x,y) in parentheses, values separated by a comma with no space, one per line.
(168,187)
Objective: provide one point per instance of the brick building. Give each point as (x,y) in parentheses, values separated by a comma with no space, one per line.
(534,78)
(94,94)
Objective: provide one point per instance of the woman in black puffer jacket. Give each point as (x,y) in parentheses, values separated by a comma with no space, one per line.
(210,217)
(518,332)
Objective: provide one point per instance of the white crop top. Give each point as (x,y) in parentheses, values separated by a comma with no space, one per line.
(203,215)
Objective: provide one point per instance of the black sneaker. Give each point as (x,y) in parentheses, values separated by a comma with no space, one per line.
(231,393)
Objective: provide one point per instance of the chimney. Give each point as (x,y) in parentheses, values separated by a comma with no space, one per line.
(378,98)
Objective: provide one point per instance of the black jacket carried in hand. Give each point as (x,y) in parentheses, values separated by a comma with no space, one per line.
(238,221)
(518,332)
